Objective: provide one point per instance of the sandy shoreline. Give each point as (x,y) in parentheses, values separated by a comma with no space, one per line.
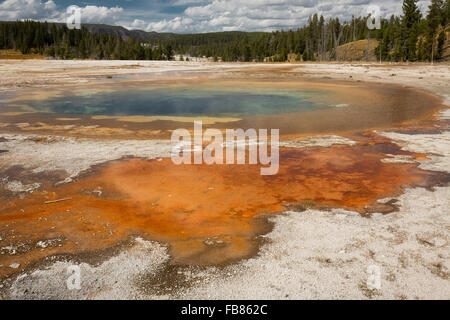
(310,254)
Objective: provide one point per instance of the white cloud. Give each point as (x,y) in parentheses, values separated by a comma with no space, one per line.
(27,9)
(40,10)
(138,24)
(208,15)
(94,14)
(266,15)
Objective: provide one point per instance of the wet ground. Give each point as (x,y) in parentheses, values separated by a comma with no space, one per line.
(206,213)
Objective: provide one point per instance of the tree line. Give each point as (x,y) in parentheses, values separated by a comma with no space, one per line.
(57,41)
(409,37)
(414,37)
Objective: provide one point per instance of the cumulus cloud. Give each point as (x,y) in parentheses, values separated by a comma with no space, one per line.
(266,15)
(41,10)
(27,9)
(94,14)
(207,15)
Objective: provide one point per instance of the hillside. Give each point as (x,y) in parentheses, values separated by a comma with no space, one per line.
(125,33)
(199,38)
(114,30)
(357,50)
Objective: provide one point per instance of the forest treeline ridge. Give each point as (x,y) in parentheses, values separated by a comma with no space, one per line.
(412,36)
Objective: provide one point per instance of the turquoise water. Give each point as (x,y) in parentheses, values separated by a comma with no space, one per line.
(179,102)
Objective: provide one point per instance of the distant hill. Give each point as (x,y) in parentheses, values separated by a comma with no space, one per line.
(125,33)
(179,37)
(146,35)
(117,30)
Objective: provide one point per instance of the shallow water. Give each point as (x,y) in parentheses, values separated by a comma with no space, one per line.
(180,101)
(210,215)
(153,109)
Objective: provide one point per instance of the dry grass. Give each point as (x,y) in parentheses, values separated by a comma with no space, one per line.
(357,50)
(13,54)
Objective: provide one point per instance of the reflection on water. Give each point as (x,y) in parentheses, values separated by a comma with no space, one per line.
(180,102)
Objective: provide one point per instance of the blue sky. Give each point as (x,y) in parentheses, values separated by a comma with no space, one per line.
(145,9)
(189,16)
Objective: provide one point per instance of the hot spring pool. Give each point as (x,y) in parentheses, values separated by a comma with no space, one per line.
(155,108)
(178,101)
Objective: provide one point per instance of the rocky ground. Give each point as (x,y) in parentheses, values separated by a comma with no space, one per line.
(314,254)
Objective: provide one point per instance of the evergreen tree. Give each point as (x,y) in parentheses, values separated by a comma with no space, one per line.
(435,18)
(400,38)
(410,21)
(168,52)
